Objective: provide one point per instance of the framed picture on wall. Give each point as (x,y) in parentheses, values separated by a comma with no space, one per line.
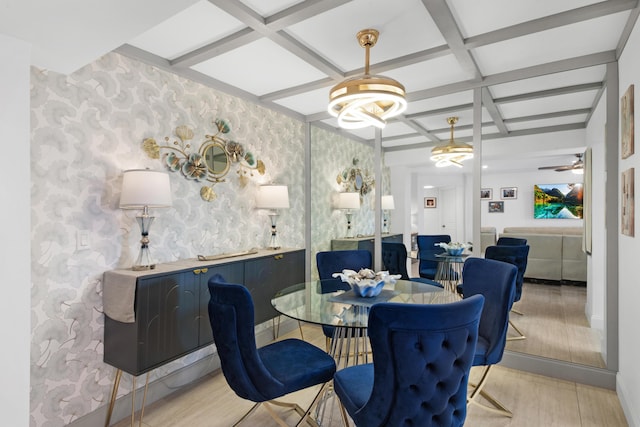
(627,222)
(496,207)
(626,123)
(486,194)
(509,193)
(430,202)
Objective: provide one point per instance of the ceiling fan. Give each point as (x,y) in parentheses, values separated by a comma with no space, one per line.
(576,167)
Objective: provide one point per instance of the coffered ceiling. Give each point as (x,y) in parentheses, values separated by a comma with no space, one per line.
(540,64)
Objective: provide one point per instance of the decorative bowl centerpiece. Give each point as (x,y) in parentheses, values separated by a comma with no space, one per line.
(453,248)
(367,283)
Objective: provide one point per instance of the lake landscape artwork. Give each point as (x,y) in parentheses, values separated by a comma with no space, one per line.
(557,201)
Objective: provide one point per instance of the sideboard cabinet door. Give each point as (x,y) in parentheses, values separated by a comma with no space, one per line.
(166,319)
(232,273)
(267,275)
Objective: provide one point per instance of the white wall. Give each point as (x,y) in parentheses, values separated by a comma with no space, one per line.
(519,212)
(628,380)
(15,252)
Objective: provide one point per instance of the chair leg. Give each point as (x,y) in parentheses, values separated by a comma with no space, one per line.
(520,336)
(345,419)
(313,404)
(498,407)
(246,415)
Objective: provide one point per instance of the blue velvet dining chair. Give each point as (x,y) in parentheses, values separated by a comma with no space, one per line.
(496,281)
(422,355)
(329,262)
(427,249)
(511,241)
(394,259)
(518,256)
(267,373)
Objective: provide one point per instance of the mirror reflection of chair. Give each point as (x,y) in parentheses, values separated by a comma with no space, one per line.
(511,241)
(264,374)
(422,358)
(394,259)
(516,255)
(496,281)
(426,249)
(329,262)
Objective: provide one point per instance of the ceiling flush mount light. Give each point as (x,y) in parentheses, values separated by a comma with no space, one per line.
(366,100)
(451,153)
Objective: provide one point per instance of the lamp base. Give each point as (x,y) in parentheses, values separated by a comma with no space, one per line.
(273,241)
(144,262)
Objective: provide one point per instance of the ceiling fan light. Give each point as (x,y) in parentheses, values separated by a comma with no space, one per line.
(578,171)
(452,153)
(367,100)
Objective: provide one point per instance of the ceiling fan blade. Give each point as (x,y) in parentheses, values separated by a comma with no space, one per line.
(551,167)
(564,168)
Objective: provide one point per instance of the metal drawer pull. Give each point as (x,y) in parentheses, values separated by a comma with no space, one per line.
(278,256)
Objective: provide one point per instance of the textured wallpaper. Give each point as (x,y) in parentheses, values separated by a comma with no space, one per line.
(86,129)
(330,155)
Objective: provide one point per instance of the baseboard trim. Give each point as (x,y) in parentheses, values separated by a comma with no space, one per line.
(559,369)
(171,382)
(633,417)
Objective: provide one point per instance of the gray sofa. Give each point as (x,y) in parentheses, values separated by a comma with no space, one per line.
(555,253)
(487,237)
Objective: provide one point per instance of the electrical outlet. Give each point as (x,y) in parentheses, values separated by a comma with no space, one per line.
(82,240)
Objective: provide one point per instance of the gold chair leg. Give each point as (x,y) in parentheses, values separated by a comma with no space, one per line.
(276,328)
(246,415)
(345,419)
(520,336)
(498,407)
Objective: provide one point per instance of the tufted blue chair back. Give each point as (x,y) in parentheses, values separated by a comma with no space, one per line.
(422,356)
(426,248)
(232,322)
(516,255)
(496,281)
(394,258)
(330,262)
(511,241)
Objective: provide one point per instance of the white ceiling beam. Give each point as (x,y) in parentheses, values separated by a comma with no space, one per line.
(519,74)
(219,47)
(443,18)
(549,92)
(626,32)
(438,111)
(552,21)
(253,20)
(544,116)
(490,104)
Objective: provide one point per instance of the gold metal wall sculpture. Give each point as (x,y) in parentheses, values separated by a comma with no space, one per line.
(354,179)
(212,160)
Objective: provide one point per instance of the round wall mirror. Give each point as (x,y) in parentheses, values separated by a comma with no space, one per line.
(216,159)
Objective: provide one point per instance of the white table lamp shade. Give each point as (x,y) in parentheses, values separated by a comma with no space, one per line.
(387,202)
(272,197)
(348,201)
(144,187)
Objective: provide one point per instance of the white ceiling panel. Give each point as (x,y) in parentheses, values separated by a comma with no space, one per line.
(550,81)
(405,27)
(439,121)
(260,67)
(504,13)
(541,105)
(394,128)
(428,74)
(554,121)
(268,8)
(458,98)
(197,26)
(552,45)
(406,141)
(307,103)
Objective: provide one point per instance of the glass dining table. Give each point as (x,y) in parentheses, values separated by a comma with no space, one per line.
(333,303)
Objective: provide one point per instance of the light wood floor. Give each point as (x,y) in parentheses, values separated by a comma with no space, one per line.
(535,400)
(555,324)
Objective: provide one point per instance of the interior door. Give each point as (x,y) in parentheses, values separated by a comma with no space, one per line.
(449,212)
